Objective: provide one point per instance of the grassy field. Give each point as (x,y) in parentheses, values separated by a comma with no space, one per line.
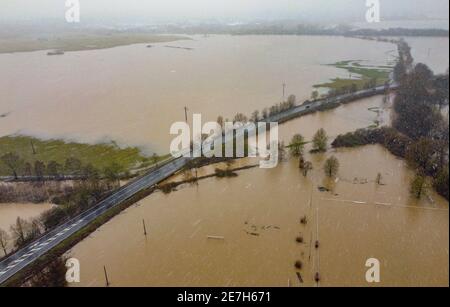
(365,74)
(78,42)
(100,155)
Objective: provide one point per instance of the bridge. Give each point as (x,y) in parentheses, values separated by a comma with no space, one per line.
(27,255)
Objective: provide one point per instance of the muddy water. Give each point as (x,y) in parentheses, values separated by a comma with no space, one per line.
(9,212)
(132,94)
(133,97)
(431,51)
(258,214)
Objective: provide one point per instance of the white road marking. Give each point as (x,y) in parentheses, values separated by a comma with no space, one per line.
(100,209)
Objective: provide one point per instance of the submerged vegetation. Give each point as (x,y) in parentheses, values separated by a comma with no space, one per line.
(360,77)
(28,156)
(320,141)
(420,133)
(331,167)
(101,178)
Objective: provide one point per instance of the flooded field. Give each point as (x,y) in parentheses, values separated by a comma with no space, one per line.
(134,96)
(431,51)
(136,93)
(258,214)
(10,212)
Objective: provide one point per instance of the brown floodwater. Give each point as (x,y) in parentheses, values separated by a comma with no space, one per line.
(132,94)
(432,51)
(258,214)
(136,93)
(10,212)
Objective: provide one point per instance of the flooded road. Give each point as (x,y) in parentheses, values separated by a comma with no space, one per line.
(258,213)
(136,93)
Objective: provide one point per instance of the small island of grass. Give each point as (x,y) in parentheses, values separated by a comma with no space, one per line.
(364,76)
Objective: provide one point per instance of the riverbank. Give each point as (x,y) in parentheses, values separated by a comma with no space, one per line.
(81,42)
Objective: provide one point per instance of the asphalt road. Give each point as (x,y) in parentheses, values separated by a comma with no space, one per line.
(27,255)
(24,257)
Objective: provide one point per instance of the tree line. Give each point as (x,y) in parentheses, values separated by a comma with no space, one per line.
(71,167)
(319,145)
(420,133)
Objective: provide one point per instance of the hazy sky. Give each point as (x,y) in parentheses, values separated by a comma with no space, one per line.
(148,10)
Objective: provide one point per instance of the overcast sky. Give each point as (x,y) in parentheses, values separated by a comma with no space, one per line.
(171,10)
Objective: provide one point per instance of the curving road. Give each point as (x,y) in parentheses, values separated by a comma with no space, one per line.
(27,255)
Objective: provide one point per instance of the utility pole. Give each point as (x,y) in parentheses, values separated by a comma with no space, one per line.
(185,114)
(106,276)
(284,91)
(145,229)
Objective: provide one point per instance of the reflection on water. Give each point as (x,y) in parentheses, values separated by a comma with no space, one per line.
(258,214)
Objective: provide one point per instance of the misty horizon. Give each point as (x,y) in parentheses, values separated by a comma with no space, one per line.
(112,12)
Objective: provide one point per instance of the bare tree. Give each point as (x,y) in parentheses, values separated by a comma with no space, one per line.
(19,232)
(417,186)
(255,116)
(4,237)
(281,151)
(220,121)
(155,159)
(378,179)
(28,169)
(291,101)
(240,118)
(54,169)
(307,166)
(13,162)
(39,169)
(112,174)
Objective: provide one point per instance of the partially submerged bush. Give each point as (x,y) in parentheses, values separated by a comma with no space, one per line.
(224,173)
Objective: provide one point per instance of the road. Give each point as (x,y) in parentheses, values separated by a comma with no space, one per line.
(29,254)
(24,257)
